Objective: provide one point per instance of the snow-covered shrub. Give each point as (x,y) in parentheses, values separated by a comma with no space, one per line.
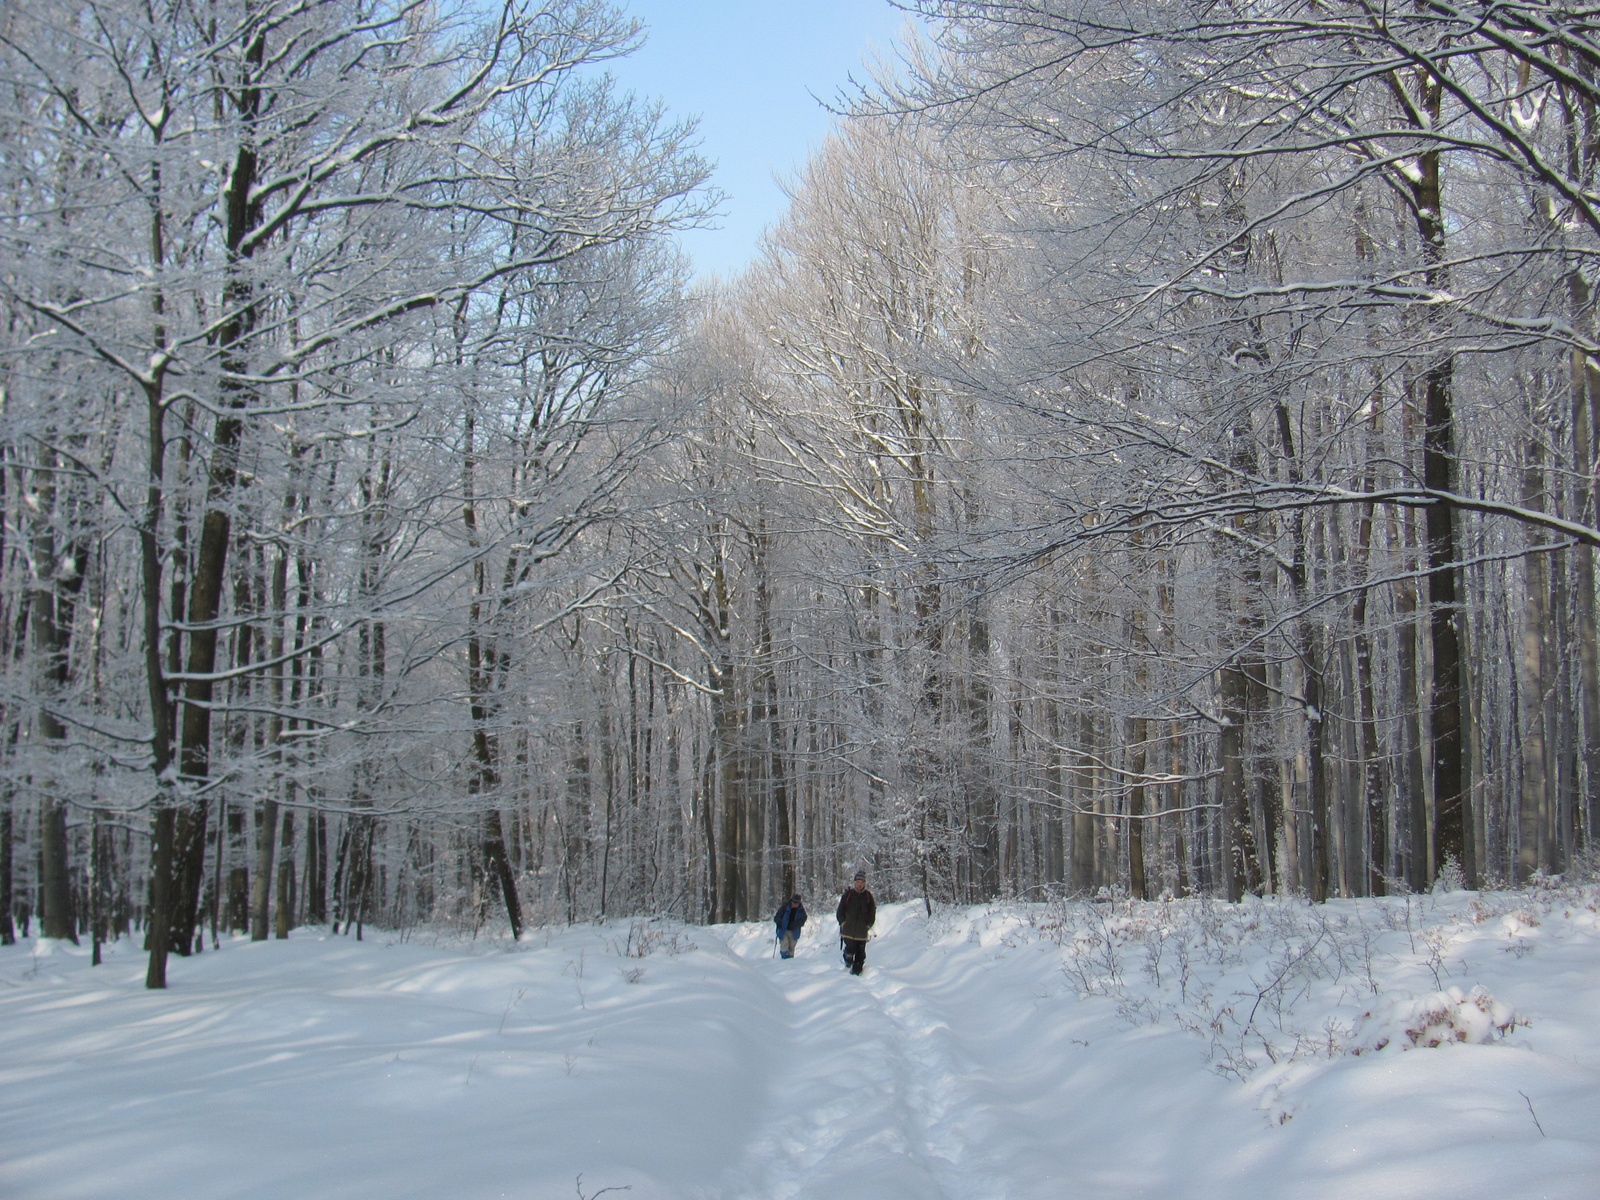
(1451,877)
(1279,980)
(1266,981)
(1585,865)
(645,937)
(1404,1021)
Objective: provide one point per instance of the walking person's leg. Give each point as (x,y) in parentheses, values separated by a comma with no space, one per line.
(855,955)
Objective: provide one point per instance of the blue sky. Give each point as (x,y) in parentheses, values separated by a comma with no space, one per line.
(749,69)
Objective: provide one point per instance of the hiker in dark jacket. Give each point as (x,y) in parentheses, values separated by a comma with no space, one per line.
(857,911)
(789,919)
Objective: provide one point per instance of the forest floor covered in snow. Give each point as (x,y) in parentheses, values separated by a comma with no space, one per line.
(1405,1047)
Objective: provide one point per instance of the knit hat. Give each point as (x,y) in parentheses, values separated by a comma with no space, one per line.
(862,876)
(795,899)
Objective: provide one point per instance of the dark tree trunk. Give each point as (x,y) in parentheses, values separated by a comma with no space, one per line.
(1080,878)
(1240,844)
(243,216)
(1585,409)
(494,850)
(266,854)
(1449,763)
(730,794)
(341,879)
(58,575)
(1446,692)
(11,642)
(1451,776)
(317,869)
(56,917)
(1137,762)
(1534,808)
(238,881)
(157,926)
(708,822)
(1413,793)
(284,912)
(1311,649)
(8,933)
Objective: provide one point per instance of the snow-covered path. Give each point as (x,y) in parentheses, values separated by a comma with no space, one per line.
(939,1076)
(962,1066)
(869,1094)
(968,1063)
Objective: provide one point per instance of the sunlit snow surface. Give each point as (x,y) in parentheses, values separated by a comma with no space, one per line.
(1170,1050)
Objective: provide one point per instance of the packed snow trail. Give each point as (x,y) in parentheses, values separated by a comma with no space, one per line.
(981,1057)
(990,1079)
(938,1076)
(840,1117)
(856,1108)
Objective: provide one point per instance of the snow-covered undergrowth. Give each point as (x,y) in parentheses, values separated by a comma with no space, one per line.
(1273,981)
(1405,1047)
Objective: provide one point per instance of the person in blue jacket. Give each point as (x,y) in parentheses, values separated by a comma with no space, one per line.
(789,920)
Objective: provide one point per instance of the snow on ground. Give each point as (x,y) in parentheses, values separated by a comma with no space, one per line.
(1422,1047)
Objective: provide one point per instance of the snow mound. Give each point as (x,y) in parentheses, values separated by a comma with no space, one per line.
(1407,1022)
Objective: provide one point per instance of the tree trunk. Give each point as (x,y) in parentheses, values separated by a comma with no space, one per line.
(157,926)
(266,852)
(1585,405)
(317,869)
(11,648)
(494,850)
(283,914)
(1138,758)
(730,793)
(1533,824)
(58,576)
(1447,694)
(238,881)
(1316,767)
(708,830)
(243,216)
(1138,735)
(1081,877)
(1419,862)
(1058,802)
(8,933)
(1231,782)
(56,919)
(96,886)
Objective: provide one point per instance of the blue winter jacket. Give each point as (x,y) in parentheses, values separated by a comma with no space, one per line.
(789,920)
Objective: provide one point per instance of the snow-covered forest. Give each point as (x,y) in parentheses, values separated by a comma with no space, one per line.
(1154,456)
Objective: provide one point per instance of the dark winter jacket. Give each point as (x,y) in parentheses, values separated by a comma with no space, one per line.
(789,920)
(857,912)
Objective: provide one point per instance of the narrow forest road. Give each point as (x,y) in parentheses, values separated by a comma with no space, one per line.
(860,1099)
(926,1079)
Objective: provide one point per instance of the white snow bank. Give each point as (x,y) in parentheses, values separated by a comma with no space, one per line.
(1176,1050)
